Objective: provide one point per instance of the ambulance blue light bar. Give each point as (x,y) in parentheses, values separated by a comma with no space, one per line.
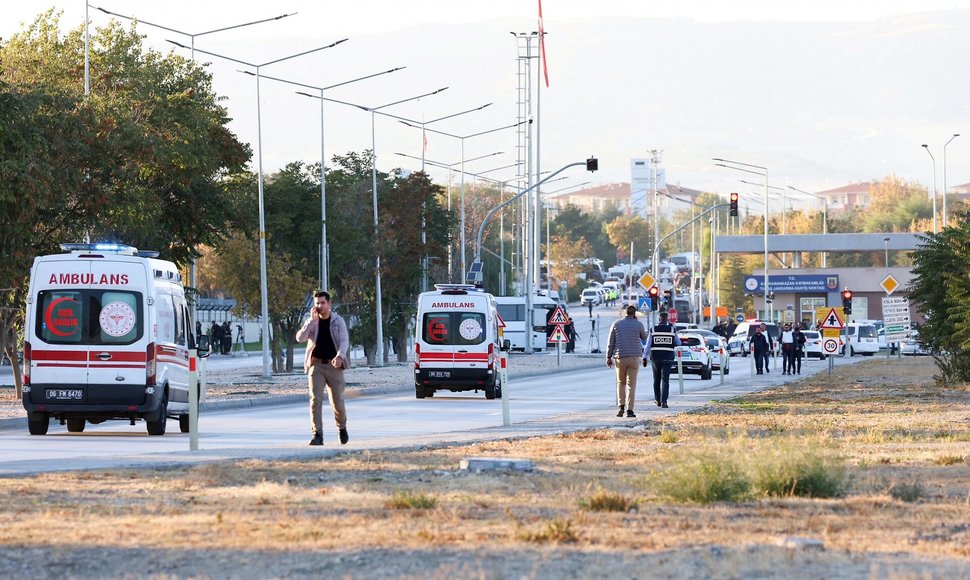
(109,248)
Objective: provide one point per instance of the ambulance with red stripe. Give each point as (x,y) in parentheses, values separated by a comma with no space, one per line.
(456,342)
(107,336)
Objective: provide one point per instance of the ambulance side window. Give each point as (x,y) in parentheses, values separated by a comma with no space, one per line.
(166,318)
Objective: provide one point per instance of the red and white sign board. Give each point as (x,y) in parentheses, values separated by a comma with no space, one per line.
(559,316)
(830,345)
(672,315)
(558,335)
(501,321)
(832,320)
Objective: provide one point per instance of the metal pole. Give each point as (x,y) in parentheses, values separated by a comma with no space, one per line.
(379,352)
(927,147)
(263,292)
(955,135)
(324,250)
(767,290)
(87,52)
(464,270)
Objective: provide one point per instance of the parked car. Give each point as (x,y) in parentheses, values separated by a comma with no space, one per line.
(813,344)
(591,294)
(911,346)
(694,355)
(738,343)
(860,338)
(715,344)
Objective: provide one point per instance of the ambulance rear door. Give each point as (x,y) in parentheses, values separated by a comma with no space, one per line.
(436,334)
(59,354)
(117,338)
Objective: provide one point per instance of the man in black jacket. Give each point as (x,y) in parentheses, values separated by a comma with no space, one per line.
(761,346)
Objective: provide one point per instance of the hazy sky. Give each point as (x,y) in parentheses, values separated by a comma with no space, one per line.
(616,118)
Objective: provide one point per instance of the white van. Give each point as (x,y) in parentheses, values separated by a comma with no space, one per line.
(738,343)
(456,342)
(512,310)
(107,336)
(861,338)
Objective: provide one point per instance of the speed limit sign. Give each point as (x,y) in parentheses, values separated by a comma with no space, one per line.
(830,346)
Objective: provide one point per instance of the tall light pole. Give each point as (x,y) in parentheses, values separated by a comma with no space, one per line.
(374,111)
(928,152)
(324,251)
(763,171)
(825,216)
(885,242)
(264,294)
(955,135)
(462,138)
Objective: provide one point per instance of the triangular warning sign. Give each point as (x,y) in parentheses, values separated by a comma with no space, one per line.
(558,335)
(832,320)
(559,316)
(500,320)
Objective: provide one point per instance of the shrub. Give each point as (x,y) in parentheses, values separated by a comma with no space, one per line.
(403,500)
(667,437)
(908,491)
(557,530)
(705,478)
(605,501)
(791,471)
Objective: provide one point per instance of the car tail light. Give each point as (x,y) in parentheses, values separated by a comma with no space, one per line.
(150,364)
(491,356)
(27,357)
(417,356)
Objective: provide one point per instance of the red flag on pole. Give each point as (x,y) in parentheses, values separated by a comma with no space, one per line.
(542,46)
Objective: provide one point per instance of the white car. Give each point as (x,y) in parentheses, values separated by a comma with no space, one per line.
(694,356)
(715,344)
(591,294)
(911,345)
(813,344)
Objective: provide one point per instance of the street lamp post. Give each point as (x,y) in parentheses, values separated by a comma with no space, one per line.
(324,252)
(928,152)
(825,216)
(955,135)
(885,242)
(462,138)
(728,164)
(374,111)
(264,294)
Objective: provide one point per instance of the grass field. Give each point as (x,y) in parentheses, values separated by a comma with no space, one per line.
(861,474)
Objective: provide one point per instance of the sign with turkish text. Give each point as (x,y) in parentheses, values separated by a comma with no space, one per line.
(792,283)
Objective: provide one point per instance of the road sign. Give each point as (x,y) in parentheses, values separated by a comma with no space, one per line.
(558,335)
(889,284)
(643,303)
(559,317)
(830,345)
(895,313)
(832,320)
(672,315)
(500,320)
(831,333)
(646,281)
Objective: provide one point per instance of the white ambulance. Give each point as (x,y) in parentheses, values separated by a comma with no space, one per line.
(456,342)
(107,336)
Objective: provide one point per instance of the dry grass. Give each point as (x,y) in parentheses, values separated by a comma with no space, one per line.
(898,442)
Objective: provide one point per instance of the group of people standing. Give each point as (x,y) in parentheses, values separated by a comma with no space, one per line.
(792,340)
(220,336)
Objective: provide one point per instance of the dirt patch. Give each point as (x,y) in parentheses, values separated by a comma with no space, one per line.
(896,450)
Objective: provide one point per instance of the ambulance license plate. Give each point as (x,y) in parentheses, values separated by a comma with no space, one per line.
(439,374)
(65,394)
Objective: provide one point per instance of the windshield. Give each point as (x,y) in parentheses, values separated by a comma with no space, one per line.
(868,332)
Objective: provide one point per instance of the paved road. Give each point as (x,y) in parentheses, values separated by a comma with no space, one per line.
(552,403)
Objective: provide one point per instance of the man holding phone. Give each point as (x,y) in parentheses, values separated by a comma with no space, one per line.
(327,356)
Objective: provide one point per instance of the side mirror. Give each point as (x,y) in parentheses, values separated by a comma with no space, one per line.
(506,345)
(203,346)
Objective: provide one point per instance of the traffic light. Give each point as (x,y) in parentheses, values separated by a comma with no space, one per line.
(668,298)
(734,205)
(592,164)
(847,301)
(654,294)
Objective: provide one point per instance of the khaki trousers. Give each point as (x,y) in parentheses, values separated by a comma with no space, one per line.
(626,380)
(325,376)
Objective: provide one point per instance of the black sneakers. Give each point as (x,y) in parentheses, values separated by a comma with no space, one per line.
(620,412)
(344,437)
(664,406)
(630,413)
(317,439)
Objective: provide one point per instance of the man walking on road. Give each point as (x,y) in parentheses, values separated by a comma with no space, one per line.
(660,350)
(327,356)
(624,344)
(759,348)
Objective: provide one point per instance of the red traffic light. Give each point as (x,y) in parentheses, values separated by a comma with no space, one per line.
(847,294)
(734,204)
(653,292)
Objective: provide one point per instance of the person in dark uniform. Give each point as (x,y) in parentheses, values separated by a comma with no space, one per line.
(660,350)
(570,337)
(799,348)
(760,348)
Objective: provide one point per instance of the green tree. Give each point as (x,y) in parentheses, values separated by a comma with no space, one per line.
(941,289)
(625,230)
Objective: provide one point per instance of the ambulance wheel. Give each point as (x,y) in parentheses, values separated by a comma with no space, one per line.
(184,423)
(75,425)
(37,423)
(157,427)
(490,392)
(419,392)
